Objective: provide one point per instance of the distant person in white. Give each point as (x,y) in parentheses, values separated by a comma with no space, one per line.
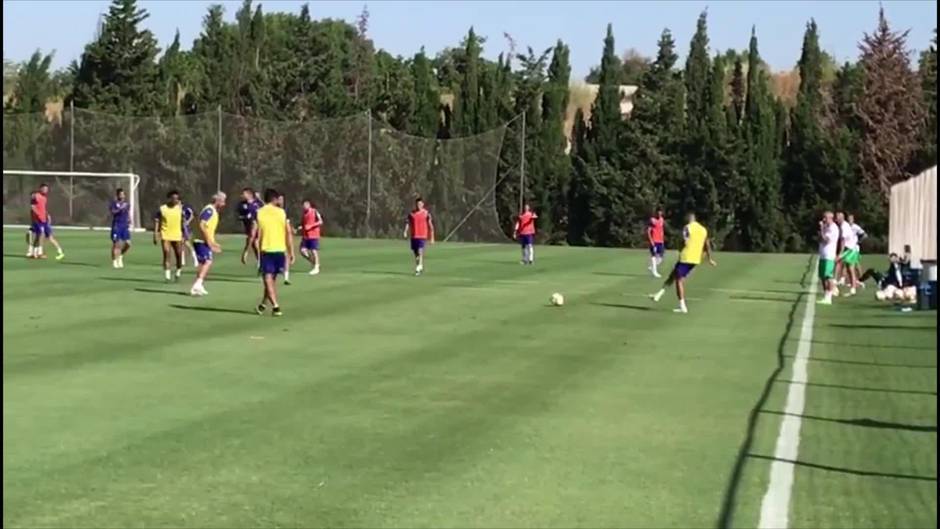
(849,257)
(828,245)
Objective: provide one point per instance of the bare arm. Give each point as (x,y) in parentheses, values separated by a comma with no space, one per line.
(708,252)
(431,229)
(290,243)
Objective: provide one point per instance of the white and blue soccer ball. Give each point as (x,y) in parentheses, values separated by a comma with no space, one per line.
(557,299)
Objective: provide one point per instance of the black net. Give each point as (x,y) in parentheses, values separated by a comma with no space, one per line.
(362,174)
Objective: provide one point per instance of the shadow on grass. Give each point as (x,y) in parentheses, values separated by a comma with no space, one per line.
(729,499)
(844,470)
(133,280)
(761,298)
(861,363)
(882,327)
(867,423)
(873,346)
(619,274)
(621,306)
(66,262)
(860,388)
(214,309)
(385,273)
(155,291)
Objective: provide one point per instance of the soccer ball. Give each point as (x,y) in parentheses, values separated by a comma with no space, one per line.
(557,299)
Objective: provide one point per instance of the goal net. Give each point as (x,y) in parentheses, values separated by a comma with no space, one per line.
(76,199)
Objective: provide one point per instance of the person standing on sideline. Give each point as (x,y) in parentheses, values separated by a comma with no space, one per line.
(696,244)
(829,236)
(168,229)
(656,234)
(205,245)
(524,232)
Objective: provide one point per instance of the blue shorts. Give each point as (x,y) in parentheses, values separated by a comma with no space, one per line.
(41,228)
(120,233)
(272,263)
(417,245)
(682,270)
(203,252)
(658,249)
(310,244)
(526,240)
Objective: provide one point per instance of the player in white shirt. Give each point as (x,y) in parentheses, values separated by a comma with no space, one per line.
(848,258)
(828,246)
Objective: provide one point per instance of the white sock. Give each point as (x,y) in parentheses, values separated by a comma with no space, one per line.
(31,252)
(287,274)
(120,261)
(179,272)
(198,284)
(657,296)
(531,254)
(166,273)
(114,263)
(682,305)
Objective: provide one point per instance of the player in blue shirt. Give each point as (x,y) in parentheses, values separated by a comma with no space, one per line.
(188,215)
(247,213)
(120,228)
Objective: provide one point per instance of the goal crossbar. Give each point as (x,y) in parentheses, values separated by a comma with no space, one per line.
(133,180)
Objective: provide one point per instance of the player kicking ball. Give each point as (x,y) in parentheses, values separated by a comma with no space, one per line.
(420,228)
(277,248)
(656,234)
(120,228)
(696,243)
(41,225)
(524,232)
(310,224)
(205,245)
(168,226)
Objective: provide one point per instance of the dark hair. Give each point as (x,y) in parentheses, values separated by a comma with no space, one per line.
(907,247)
(172,192)
(418,199)
(252,191)
(892,254)
(307,200)
(118,191)
(270,195)
(43,185)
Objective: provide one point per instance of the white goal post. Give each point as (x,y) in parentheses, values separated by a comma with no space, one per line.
(77,200)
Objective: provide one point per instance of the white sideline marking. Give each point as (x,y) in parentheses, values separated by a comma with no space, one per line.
(775,507)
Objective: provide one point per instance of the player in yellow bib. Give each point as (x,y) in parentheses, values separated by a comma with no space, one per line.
(696,244)
(276,243)
(168,228)
(205,244)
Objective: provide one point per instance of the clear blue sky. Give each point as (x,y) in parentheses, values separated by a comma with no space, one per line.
(403,27)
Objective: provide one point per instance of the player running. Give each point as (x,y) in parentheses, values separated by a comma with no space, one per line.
(188,215)
(41,225)
(205,244)
(120,228)
(274,240)
(524,232)
(420,228)
(310,224)
(829,237)
(168,225)
(696,243)
(656,234)
(247,212)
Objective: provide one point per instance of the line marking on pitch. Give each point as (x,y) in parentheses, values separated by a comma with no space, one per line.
(775,507)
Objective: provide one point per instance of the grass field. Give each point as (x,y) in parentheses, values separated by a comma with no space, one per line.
(456,399)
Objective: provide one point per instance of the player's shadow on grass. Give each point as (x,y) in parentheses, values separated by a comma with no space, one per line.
(385,273)
(873,346)
(132,280)
(762,298)
(844,470)
(155,291)
(867,423)
(620,274)
(860,388)
(214,309)
(621,306)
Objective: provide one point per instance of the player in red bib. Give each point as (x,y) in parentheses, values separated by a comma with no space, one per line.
(310,224)
(41,225)
(524,232)
(656,234)
(420,228)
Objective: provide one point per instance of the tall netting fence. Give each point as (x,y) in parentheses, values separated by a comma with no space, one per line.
(362,174)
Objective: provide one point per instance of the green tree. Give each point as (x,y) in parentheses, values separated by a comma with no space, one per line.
(34,85)
(890,108)
(927,153)
(118,70)
(556,168)
(467,100)
(606,119)
(697,69)
(427,100)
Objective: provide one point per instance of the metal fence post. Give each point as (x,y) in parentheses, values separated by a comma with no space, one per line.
(218,176)
(71,157)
